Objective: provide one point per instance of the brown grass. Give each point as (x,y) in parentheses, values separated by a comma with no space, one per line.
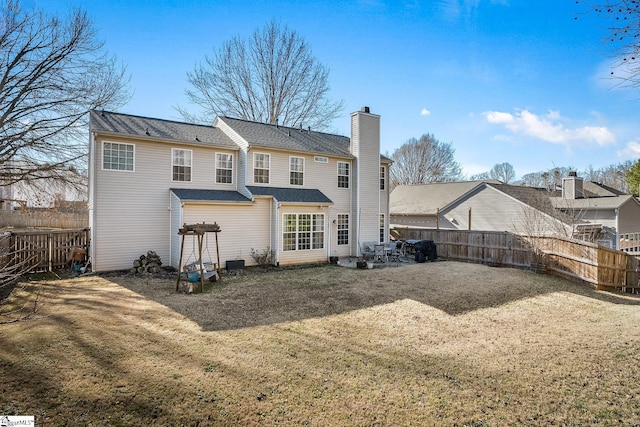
(428,344)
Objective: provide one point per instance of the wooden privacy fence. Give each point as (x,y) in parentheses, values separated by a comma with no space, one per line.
(41,250)
(577,260)
(43,218)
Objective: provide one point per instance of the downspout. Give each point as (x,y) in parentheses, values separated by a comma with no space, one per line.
(617,229)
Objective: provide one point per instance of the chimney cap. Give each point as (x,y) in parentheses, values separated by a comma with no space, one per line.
(573,173)
(365,109)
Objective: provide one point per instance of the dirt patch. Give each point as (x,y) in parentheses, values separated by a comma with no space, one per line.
(429,344)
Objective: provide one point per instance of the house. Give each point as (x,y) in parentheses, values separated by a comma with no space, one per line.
(617,213)
(306,195)
(590,212)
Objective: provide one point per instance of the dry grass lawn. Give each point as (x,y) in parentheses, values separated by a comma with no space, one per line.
(442,343)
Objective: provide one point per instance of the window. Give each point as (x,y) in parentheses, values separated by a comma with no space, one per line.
(261,164)
(343,175)
(382,176)
(296,170)
(382,239)
(343,229)
(117,156)
(303,232)
(224,168)
(181,164)
(321,159)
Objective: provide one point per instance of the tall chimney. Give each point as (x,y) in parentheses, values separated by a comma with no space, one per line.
(572,186)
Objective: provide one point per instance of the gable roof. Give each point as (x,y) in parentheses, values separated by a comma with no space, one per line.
(600,190)
(611,202)
(289,139)
(426,199)
(143,127)
(291,195)
(194,195)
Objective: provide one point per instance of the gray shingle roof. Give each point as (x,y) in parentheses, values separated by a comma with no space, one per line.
(290,139)
(188,194)
(291,195)
(144,127)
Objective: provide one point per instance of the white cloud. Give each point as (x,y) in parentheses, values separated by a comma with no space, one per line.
(550,128)
(631,150)
(425,112)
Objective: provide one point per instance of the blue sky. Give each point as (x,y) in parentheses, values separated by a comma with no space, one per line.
(515,81)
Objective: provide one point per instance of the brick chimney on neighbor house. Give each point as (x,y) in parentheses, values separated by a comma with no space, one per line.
(572,187)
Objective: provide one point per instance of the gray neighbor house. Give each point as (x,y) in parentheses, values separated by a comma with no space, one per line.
(579,209)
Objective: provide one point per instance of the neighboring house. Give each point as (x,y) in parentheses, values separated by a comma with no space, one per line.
(43,193)
(617,213)
(597,214)
(305,195)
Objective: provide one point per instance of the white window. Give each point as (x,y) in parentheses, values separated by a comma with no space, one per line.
(302,232)
(117,156)
(296,170)
(224,168)
(343,175)
(261,164)
(181,164)
(321,159)
(382,176)
(382,239)
(343,229)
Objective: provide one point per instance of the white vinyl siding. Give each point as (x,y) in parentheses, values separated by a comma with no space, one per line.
(117,156)
(243,227)
(131,211)
(181,164)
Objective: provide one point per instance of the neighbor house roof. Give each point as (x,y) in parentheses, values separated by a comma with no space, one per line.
(194,195)
(289,139)
(291,195)
(611,202)
(600,190)
(143,127)
(426,199)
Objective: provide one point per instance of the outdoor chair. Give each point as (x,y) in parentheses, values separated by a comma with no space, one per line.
(379,253)
(395,251)
(367,251)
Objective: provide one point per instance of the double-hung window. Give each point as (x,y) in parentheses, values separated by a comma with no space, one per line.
(343,229)
(181,164)
(303,232)
(117,156)
(343,175)
(382,177)
(296,170)
(261,164)
(224,168)
(382,239)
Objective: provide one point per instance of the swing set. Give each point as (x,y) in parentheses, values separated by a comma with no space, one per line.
(198,270)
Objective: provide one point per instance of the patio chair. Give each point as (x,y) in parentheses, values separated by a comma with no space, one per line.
(379,253)
(366,250)
(395,251)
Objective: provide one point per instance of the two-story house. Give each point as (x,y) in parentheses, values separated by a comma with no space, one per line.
(306,195)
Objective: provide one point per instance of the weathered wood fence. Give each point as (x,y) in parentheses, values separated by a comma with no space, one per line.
(576,260)
(41,250)
(43,218)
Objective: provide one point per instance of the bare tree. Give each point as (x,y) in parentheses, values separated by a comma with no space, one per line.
(424,160)
(503,172)
(271,78)
(622,38)
(52,72)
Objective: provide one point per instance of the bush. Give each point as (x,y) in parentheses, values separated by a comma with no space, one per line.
(265,257)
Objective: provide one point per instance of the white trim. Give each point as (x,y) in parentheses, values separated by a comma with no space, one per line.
(303,172)
(253,167)
(215,169)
